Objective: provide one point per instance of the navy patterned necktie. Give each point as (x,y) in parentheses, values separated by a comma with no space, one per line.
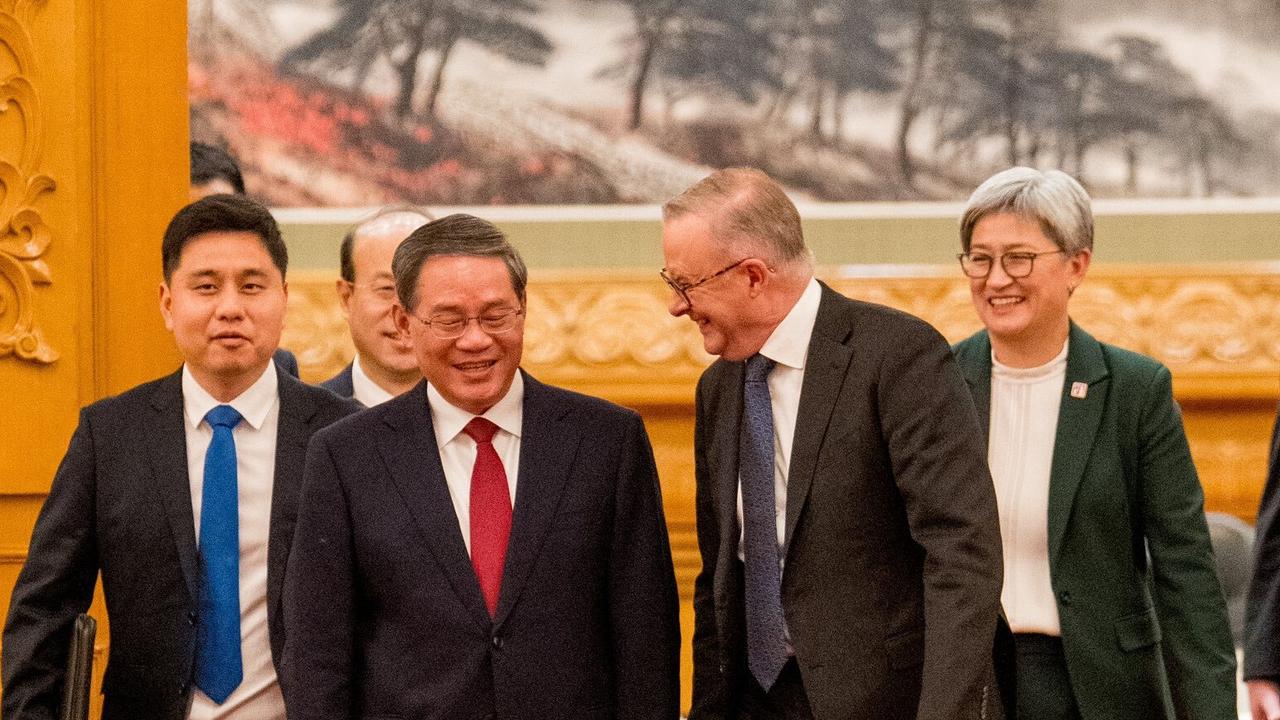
(766,644)
(219,668)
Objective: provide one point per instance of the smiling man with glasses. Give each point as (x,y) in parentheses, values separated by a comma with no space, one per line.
(484,545)
(846,521)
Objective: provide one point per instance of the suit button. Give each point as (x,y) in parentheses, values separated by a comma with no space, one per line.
(1064,597)
(497,642)
(191,618)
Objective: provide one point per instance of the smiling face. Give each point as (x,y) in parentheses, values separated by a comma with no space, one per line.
(474,371)
(385,353)
(722,307)
(225,304)
(1025,317)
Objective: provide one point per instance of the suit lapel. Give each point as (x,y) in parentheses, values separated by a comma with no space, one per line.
(293,430)
(1078,421)
(409,448)
(166,439)
(548,445)
(975,363)
(726,414)
(824,373)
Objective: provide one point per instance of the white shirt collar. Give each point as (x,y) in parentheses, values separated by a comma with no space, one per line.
(789,343)
(364,389)
(253,404)
(507,413)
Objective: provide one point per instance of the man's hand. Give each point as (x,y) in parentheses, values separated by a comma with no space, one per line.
(1264,699)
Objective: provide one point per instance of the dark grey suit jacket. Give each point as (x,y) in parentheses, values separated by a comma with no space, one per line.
(341,384)
(1262,634)
(121,504)
(384,614)
(891,586)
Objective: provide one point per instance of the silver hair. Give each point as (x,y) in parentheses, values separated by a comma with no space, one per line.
(1052,198)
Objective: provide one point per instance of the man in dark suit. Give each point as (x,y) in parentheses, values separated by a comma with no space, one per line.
(483,546)
(1262,625)
(851,562)
(384,365)
(181,493)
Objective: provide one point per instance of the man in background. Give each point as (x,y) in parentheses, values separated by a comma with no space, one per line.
(851,558)
(384,365)
(484,545)
(181,492)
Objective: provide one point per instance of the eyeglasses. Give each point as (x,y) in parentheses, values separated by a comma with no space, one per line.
(447,326)
(1015,264)
(682,289)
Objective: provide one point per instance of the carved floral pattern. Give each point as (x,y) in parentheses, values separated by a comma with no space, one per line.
(24,236)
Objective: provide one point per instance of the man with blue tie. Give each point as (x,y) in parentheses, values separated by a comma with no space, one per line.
(181,493)
(484,545)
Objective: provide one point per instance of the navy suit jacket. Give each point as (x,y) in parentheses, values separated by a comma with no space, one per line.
(341,384)
(121,504)
(383,612)
(1262,625)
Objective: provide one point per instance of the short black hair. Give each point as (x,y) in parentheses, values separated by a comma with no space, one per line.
(457,234)
(222,213)
(346,265)
(210,162)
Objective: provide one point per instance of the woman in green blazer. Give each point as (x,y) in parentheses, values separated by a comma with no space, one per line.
(1109,579)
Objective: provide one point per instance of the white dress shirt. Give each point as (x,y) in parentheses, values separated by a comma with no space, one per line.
(364,389)
(788,347)
(258,695)
(1024,427)
(458,450)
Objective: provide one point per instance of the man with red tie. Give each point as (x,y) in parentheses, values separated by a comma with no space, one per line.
(483,546)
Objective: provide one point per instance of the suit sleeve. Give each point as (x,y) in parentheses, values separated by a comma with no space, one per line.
(55,585)
(643,603)
(1198,651)
(710,692)
(1262,636)
(319,597)
(939,463)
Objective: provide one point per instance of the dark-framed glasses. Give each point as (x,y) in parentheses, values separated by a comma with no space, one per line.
(682,289)
(447,326)
(1015,264)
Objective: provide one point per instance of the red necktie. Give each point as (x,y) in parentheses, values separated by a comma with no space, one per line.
(490,512)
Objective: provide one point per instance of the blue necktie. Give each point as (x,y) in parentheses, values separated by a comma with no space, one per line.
(766,644)
(219,668)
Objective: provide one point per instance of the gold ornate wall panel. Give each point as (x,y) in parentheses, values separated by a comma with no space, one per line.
(93,162)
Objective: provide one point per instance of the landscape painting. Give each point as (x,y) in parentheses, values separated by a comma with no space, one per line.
(338,103)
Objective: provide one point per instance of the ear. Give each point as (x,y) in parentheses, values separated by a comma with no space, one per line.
(166,305)
(1078,265)
(401,318)
(344,290)
(758,274)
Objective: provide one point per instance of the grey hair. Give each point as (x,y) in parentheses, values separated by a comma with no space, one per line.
(749,212)
(457,234)
(1052,198)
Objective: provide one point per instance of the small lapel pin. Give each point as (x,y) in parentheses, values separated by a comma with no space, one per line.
(1079,390)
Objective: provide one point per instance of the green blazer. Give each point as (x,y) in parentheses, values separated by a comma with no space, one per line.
(1144,624)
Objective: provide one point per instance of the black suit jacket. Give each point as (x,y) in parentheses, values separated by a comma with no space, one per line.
(384,614)
(1262,624)
(286,361)
(121,504)
(340,384)
(891,585)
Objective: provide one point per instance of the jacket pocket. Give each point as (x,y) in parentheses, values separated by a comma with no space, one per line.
(1138,631)
(905,649)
